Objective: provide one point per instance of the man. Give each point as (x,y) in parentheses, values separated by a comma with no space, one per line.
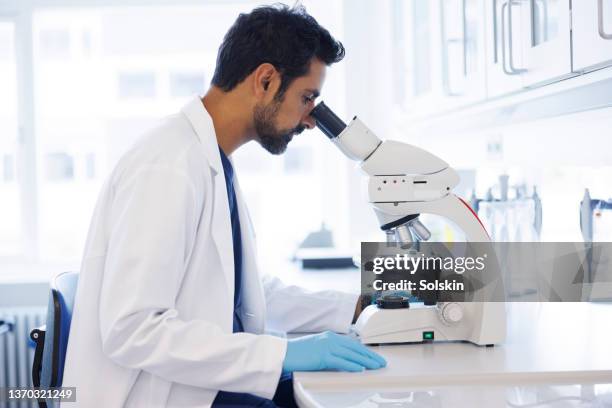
(170,308)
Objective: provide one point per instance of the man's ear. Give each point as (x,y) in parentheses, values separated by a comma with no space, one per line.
(264,78)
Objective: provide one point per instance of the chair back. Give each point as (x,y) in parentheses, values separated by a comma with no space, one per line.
(59,316)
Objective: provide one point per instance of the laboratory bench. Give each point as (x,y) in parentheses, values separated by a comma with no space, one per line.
(553,352)
(555,355)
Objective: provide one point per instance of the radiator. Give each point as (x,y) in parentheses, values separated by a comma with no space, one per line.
(16,349)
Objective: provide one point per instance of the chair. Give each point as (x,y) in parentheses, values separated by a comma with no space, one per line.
(52,339)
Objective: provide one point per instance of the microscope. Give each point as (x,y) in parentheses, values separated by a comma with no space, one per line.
(404,182)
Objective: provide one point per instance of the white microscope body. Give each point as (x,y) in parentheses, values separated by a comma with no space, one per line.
(405,181)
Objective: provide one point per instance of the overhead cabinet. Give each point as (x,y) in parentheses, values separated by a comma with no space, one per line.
(445,53)
(592,34)
(461,52)
(547,38)
(462,49)
(528,43)
(504,47)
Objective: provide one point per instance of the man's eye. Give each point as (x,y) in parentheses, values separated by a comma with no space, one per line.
(308,99)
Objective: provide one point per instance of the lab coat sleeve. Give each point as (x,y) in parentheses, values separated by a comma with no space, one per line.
(293,309)
(152,226)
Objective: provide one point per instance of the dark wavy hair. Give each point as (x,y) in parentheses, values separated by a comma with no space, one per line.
(286,37)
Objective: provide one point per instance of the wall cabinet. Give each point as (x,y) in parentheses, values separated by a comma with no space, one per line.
(445,53)
(504,40)
(547,38)
(423,59)
(592,34)
(528,43)
(462,49)
(462,52)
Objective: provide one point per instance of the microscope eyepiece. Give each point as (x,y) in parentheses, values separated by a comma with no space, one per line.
(327,121)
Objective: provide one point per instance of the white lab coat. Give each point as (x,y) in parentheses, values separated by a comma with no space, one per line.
(152,324)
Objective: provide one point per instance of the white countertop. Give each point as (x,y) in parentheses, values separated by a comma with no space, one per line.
(548,344)
(461,396)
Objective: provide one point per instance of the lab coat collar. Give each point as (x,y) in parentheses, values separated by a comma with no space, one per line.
(202,124)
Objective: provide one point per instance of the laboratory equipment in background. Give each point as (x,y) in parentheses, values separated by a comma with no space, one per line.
(404,182)
(596,226)
(510,219)
(513,218)
(595,218)
(318,251)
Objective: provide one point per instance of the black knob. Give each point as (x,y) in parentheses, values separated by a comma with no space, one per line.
(392,302)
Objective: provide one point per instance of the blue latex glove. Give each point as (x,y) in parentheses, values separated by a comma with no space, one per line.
(329,351)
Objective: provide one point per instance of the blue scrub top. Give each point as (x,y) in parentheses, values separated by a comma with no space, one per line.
(236,237)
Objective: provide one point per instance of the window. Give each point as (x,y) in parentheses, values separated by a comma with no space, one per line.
(11,238)
(187,84)
(298,159)
(59,167)
(54,44)
(90,165)
(8,173)
(97,84)
(136,85)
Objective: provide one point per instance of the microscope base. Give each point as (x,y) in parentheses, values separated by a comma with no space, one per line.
(481,323)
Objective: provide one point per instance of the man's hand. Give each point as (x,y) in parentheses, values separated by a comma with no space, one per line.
(329,351)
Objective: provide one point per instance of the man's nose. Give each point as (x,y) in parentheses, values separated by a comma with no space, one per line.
(309,122)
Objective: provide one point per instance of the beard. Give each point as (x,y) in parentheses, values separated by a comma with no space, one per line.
(271,138)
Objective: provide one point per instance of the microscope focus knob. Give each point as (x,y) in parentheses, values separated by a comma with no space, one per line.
(392,302)
(451,313)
